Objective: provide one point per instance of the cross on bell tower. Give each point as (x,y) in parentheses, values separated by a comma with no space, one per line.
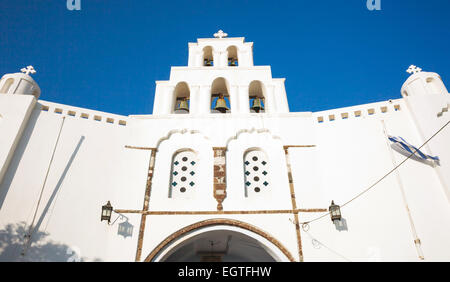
(28,70)
(220,34)
(413,69)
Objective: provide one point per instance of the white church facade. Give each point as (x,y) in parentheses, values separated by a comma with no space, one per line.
(223,171)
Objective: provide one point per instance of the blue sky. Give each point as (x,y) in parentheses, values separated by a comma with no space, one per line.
(332,53)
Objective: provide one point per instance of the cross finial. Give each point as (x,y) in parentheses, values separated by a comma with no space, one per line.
(28,70)
(413,69)
(220,34)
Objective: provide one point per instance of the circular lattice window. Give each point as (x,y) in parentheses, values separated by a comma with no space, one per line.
(256,176)
(183,174)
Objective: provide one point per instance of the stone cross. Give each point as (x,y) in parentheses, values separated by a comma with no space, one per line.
(413,69)
(220,34)
(28,70)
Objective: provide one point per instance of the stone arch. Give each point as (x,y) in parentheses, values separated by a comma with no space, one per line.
(167,146)
(250,131)
(171,241)
(179,131)
(237,146)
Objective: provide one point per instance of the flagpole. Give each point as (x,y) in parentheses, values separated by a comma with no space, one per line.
(30,230)
(400,185)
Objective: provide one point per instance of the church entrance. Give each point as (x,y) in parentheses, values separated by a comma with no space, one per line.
(220,243)
(220,246)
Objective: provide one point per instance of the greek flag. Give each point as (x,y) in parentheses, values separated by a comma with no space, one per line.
(404,146)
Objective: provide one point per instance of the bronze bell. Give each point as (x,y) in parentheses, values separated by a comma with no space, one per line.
(232,62)
(207,62)
(221,104)
(183,106)
(257,105)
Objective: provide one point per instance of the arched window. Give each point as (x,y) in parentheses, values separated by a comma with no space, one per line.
(208,60)
(183,174)
(232,56)
(182,98)
(256,175)
(220,97)
(7,85)
(256,97)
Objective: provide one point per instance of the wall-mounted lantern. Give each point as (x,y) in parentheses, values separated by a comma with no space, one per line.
(335,212)
(106,212)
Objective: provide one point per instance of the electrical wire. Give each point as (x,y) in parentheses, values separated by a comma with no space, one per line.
(318,243)
(381,179)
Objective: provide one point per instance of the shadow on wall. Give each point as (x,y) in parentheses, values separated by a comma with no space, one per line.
(42,249)
(18,154)
(125,228)
(35,227)
(341,225)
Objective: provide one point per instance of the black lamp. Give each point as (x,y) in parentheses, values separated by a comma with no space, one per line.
(106,212)
(335,212)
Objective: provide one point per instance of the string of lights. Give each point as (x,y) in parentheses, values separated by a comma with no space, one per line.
(305,224)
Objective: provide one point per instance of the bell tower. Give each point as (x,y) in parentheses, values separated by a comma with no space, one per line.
(220,51)
(220,78)
(18,95)
(428,102)
(20,83)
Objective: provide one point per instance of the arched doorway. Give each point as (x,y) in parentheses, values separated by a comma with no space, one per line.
(223,240)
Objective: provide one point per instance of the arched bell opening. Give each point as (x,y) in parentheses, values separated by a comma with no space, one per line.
(208,59)
(435,85)
(182,98)
(7,85)
(224,240)
(220,97)
(256,97)
(232,56)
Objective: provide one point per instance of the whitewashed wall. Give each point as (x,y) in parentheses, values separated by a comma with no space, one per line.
(92,166)
(336,154)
